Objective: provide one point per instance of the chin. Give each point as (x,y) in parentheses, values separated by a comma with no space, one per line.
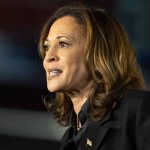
(50,89)
(53,88)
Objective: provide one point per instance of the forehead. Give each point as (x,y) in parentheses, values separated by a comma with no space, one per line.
(66,25)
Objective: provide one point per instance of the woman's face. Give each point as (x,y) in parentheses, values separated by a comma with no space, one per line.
(64,61)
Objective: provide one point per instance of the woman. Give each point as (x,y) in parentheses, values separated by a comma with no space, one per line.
(97,88)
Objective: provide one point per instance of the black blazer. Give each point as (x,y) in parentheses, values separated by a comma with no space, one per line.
(127,127)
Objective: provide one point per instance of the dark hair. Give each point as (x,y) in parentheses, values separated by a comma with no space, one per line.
(109,56)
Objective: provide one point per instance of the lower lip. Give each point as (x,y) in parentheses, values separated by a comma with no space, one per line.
(52,77)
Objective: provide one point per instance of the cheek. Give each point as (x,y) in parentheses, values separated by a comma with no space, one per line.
(74,59)
(76,69)
(44,64)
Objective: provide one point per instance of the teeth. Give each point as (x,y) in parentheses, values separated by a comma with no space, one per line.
(54,73)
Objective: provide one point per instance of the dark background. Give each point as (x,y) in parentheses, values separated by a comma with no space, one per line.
(22,78)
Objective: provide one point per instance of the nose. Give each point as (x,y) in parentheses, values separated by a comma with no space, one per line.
(51,56)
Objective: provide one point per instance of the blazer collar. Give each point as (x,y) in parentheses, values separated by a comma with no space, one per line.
(96,131)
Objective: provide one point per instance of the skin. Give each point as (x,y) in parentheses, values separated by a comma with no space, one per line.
(64,47)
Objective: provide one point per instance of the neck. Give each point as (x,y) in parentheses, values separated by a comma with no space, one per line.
(78,103)
(80,97)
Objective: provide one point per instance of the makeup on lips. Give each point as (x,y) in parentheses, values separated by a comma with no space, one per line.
(53,72)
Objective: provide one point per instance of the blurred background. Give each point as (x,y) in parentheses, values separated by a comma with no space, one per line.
(24,120)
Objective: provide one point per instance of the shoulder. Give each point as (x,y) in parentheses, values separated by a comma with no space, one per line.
(135,96)
(137,116)
(134,102)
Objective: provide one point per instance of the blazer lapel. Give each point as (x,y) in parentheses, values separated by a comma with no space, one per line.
(67,135)
(94,136)
(95,133)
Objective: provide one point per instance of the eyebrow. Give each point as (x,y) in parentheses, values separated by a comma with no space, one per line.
(59,37)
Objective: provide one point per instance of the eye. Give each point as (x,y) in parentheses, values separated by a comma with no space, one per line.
(46,47)
(63,44)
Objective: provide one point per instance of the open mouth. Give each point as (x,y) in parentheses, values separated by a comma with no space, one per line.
(53,73)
